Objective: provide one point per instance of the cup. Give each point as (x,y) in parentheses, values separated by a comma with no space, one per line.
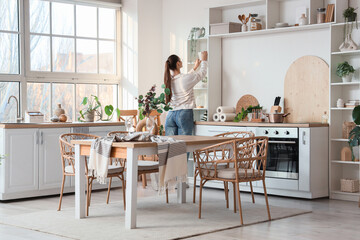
(199,55)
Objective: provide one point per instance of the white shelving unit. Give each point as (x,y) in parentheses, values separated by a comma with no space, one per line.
(347,91)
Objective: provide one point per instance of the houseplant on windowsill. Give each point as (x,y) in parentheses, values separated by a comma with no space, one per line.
(93,108)
(150,102)
(345,71)
(354,137)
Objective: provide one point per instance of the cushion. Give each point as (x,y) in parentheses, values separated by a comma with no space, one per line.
(147,165)
(212,166)
(229,173)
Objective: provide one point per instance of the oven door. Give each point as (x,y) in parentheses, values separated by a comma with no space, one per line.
(283,158)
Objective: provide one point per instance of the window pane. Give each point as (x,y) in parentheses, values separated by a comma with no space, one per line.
(84,90)
(40,53)
(38,98)
(63,94)
(86,21)
(107,57)
(62,18)
(108,95)
(9,15)
(107,20)
(9,53)
(8,111)
(63,54)
(86,56)
(39,16)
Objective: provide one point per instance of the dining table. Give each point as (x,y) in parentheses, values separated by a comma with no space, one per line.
(131,151)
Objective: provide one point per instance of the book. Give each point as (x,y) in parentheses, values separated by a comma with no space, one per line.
(329,17)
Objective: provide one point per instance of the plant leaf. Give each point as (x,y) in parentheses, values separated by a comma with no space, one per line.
(167,91)
(356,115)
(84,101)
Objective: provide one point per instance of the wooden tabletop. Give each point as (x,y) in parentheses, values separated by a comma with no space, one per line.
(189,140)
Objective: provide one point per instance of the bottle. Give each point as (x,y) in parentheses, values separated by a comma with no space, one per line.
(302,20)
(324,118)
(321,15)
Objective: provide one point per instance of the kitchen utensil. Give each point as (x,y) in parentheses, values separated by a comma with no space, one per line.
(277,117)
(306,90)
(245,101)
(277,101)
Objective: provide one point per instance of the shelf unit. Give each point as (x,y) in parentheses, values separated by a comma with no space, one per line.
(347,91)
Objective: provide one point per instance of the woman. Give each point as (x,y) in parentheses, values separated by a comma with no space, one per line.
(180,120)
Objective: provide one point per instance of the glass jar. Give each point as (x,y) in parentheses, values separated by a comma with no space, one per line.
(321,15)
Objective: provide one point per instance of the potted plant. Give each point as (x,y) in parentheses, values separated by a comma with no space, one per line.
(94,109)
(350,22)
(244,112)
(350,15)
(345,71)
(354,136)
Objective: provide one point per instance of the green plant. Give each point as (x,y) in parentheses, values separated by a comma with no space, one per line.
(244,112)
(161,130)
(354,136)
(93,105)
(344,69)
(350,16)
(149,102)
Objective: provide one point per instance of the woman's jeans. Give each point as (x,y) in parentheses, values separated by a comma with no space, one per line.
(179,122)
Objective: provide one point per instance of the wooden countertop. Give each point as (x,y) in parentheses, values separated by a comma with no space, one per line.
(253,124)
(58,125)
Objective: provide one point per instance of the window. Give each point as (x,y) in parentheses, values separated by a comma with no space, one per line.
(7,105)
(63,94)
(83,90)
(38,98)
(75,43)
(9,37)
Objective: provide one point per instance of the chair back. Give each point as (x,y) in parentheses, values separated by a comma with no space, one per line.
(239,134)
(67,149)
(128,113)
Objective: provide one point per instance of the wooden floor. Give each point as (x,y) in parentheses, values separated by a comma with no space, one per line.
(330,219)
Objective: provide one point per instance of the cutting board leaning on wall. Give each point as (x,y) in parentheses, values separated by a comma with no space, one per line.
(306,90)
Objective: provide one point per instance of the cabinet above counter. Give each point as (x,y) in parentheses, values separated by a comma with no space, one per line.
(253,124)
(58,125)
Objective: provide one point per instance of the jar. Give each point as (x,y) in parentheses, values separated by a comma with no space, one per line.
(321,15)
(303,20)
(255,25)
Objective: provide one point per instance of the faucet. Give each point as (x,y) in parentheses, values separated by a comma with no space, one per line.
(18,118)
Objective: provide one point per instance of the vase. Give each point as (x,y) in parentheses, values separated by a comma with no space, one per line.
(302,20)
(244,28)
(347,78)
(90,116)
(150,123)
(340,103)
(59,110)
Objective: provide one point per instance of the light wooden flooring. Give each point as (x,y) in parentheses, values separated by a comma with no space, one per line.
(330,219)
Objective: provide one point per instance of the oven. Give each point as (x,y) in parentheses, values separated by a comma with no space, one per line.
(283,152)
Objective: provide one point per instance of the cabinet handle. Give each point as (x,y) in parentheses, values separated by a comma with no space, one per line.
(303,138)
(42,138)
(37,137)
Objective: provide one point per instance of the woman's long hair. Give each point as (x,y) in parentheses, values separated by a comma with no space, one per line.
(170,64)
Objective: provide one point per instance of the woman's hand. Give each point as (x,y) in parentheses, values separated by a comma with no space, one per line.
(197,64)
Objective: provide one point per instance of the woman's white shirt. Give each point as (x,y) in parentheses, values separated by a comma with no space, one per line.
(182,86)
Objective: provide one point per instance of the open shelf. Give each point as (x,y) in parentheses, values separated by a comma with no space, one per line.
(336,108)
(347,53)
(345,162)
(347,193)
(345,83)
(339,139)
(341,24)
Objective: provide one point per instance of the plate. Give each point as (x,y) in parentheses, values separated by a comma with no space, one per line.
(280,25)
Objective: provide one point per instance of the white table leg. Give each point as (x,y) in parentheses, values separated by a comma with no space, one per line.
(79,184)
(181,192)
(131,188)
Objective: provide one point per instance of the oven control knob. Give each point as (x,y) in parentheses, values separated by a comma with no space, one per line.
(276,132)
(266,132)
(287,132)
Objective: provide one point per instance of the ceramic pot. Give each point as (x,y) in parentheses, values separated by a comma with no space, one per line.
(59,111)
(340,103)
(348,77)
(303,20)
(244,28)
(90,116)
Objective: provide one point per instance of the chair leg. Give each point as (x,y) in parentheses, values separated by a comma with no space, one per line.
(195,175)
(200,198)
(234,197)
(61,192)
(123,190)
(88,197)
(266,199)
(167,195)
(239,201)
(144,182)
(90,190)
(108,192)
(252,192)
(226,193)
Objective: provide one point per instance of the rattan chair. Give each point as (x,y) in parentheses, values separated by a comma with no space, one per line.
(239,134)
(247,163)
(68,166)
(144,167)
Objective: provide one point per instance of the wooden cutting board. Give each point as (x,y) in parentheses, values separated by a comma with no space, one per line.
(306,90)
(245,101)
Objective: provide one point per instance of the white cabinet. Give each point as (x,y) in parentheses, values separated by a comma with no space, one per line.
(21,163)
(50,167)
(209,130)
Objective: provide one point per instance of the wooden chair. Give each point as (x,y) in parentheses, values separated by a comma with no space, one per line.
(128,113)
(68,166)
(239,134)
(247,163)
(144,167)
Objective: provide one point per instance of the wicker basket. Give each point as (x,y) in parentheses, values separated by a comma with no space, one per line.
(349,185)
(346,129)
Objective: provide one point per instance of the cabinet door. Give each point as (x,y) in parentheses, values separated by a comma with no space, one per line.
(21,164)
(50,168)
(304,159)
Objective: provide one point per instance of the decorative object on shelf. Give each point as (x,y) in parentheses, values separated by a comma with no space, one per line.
(329,17)
(350,15)
(34,117)
(245,102)
(352,103)
(58,111)
(62,118)
(244,20)
(324,118)
(340,103)
(93,108)
(204,116)
(348,44)
(54,119)
(257,115)
(303,20)
(350,22)
(242,115)
(354,136)
(281,25)
(349,185)
(347,128)
(223,28)
(255,23)
(345,154)
(320,15)
(149,102)
(195,33)
(345,71)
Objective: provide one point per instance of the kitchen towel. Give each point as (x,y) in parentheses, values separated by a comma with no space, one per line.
(225,117)
(225,109)
(216,117)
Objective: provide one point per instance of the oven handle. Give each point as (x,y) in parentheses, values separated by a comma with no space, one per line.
(283,142)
